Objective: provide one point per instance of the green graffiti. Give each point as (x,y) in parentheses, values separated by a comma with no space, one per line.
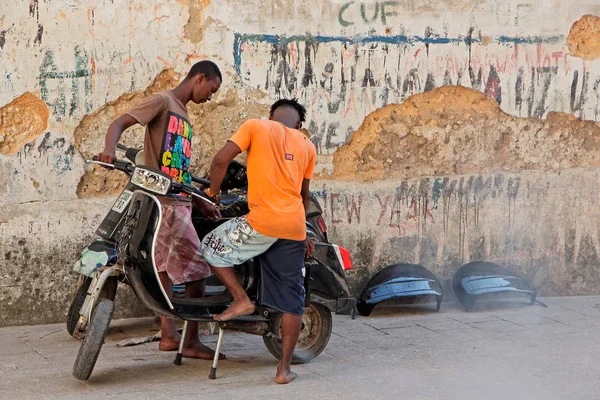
(49,71)
(341,19)
(380,9)
(363,13)
(81,63)
(385,14)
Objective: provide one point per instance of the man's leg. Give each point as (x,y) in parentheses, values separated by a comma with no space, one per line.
(291,325)
(233,243)
(192,348)
(283,290)
(241,304)
(169,337)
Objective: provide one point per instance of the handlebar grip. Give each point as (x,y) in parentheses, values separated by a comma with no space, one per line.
(95,158)
(203,182)
(122,147)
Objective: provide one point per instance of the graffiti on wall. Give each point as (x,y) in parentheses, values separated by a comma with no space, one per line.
(342,79)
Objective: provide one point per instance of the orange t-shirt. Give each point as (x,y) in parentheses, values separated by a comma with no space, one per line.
(279,159)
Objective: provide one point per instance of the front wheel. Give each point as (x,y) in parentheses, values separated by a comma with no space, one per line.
(93,341)
(109,291)
(314,336)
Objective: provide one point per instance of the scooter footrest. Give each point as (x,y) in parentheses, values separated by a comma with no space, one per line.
(210,301)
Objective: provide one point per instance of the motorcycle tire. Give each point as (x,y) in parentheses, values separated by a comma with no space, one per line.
(109,291)
(314,336)
(93,340)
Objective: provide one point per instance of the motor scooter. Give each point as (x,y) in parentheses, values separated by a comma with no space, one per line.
(325,283)
(98,272)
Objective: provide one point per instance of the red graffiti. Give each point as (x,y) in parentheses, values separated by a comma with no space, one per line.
(353,207)
(383,207)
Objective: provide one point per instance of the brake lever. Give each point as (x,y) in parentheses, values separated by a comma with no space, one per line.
(107,165)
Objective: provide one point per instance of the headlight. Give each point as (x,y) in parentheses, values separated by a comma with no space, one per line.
(151,181)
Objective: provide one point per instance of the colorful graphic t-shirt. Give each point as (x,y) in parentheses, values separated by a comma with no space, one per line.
(168,140)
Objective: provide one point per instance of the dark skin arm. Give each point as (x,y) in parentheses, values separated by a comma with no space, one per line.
(218,167)
(115,130)
(305,193)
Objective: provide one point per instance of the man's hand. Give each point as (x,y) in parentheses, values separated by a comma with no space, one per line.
(107,156)
(208,210)
(310,247)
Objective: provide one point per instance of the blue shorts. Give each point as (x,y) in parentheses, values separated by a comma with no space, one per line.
(282,267)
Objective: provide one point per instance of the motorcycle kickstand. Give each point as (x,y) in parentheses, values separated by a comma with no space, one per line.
(180,350)
(213,370)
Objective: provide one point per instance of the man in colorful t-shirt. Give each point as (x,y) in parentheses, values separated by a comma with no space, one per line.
(281,160)
(168,147)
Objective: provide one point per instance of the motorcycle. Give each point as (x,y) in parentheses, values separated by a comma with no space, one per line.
(135,234)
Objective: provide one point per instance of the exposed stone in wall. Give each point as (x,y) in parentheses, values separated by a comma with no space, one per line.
(193,29)
(21,121)
(584,38)
(456,130)
(213,123)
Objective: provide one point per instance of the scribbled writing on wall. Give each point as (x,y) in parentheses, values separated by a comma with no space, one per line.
(342,79)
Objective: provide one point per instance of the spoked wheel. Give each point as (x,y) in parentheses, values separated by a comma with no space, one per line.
(94,339)
(109,291)
(314,336)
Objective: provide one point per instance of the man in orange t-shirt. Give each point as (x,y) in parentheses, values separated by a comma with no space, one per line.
(280,164)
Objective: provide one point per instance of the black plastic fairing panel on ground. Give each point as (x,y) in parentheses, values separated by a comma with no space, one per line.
(399,281)
(480,278)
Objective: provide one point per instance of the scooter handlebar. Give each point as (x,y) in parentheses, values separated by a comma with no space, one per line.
(202,181)
(191,190)
(127,167)
(123,166)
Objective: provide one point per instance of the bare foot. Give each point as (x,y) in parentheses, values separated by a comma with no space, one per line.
(198,350)
(285,377)
(236,309)
(169,343)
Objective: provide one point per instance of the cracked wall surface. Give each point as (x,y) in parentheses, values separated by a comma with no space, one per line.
(21,121)
(456,130)
(584,38)
(401,93)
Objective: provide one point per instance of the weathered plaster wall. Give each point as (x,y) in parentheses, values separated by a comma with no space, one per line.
(543,225)
(68,68)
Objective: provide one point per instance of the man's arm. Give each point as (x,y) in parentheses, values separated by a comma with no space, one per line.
(115,130)
(218,167)
(142,114)
(305,193)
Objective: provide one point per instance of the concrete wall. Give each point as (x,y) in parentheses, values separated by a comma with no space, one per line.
(68,68)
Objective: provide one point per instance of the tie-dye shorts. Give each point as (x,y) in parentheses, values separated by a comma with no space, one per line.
(233,243)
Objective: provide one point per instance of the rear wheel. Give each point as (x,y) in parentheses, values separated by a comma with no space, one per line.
(314,336)
(109,291)
(94,339)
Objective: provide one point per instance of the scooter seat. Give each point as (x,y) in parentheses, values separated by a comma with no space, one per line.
(210,301)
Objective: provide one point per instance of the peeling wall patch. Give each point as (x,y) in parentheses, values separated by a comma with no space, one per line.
(21,121)
(584,38)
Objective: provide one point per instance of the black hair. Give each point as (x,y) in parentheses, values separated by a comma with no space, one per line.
(289,103)
(206,67)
